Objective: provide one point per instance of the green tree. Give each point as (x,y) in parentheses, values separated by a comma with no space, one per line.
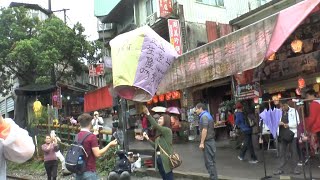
(40,52)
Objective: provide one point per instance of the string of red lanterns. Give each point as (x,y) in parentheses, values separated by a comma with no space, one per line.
(173,95)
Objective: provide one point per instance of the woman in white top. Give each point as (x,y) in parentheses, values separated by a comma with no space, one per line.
(95,122)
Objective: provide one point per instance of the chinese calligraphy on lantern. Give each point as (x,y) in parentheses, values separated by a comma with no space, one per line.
(153,63)
(165,7)
(175,34)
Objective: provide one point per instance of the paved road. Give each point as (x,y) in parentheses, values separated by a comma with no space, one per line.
(228,164)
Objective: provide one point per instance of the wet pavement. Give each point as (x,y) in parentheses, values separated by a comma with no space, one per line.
(228,165)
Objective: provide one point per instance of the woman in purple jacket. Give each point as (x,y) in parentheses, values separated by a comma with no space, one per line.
(50,158)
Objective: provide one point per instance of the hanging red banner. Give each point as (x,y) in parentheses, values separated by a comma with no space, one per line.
(96,70)
(165,7)
(56,98)
(175,34)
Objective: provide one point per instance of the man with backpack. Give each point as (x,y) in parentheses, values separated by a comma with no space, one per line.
(85,165)
(245,124)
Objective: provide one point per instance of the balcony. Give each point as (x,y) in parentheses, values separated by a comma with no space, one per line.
(105,27)
(106,31)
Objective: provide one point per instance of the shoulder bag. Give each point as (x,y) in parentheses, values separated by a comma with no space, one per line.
(175,159)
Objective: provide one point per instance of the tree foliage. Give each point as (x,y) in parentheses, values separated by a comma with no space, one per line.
(41,52)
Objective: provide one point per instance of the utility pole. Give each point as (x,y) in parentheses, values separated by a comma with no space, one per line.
(64,14)
(64,11)
(49,7)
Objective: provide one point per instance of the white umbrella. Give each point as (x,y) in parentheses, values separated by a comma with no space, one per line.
(159,109)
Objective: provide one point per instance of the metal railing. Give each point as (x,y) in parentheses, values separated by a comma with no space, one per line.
(67,133)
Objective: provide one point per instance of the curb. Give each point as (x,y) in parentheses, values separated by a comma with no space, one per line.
(182,175)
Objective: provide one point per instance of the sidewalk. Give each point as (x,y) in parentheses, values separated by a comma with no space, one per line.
(228,165)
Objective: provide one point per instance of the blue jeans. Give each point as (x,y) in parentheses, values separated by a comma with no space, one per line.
(169,175)
(87,176)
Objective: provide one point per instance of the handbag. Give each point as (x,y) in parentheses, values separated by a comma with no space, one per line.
(287,135)
(174,158)
(234,132)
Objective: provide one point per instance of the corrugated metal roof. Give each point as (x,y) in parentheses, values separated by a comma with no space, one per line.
(104,7)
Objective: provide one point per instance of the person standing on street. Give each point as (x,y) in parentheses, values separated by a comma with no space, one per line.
(15,144)
(97,122)
(163,143)
(59,155)
(288,139)
(247,131)
(91,147)
(207,143)
(50,158)
(313,120)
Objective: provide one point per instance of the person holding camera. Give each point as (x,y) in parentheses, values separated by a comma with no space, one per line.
(50,159)
(58,152)
(97,122)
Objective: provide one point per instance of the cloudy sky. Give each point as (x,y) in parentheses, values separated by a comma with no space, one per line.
(80,11)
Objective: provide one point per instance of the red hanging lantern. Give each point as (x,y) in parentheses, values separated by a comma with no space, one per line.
(176,95)
(161,97)
(155,99)
(301,83)
(256,100)
(297,45)
(168,96)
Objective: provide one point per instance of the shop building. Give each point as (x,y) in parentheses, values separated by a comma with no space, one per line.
(242,59)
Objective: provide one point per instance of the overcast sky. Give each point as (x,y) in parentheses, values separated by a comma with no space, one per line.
(80,11)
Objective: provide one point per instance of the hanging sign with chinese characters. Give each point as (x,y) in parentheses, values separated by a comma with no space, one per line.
(248,91)
(237,52)
(96,70)
(140,59)
(165,8)
(56,98)
(175,35)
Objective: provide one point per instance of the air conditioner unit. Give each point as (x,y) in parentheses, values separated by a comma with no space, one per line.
(152,19)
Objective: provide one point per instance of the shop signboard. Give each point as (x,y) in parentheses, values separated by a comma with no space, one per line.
(175,35)
(96,70)
(248,91)
(289,67)
(232,54)
(165,8)
(56,98)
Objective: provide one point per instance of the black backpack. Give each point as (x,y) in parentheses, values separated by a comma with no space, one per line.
(122,164)
(75,162)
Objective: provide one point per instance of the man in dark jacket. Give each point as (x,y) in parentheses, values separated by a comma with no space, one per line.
(247,130)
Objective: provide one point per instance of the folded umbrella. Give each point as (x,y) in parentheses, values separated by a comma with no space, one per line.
(159,109)
(173,110)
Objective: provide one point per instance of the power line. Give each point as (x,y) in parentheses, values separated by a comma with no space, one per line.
(64,14)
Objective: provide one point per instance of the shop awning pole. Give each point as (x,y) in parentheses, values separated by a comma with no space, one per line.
(124,119)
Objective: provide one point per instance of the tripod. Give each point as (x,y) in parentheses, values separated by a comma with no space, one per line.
(263,157)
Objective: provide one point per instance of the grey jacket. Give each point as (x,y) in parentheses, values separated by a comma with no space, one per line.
(17,147)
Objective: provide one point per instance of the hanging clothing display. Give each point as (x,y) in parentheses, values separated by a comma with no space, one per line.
(271,118)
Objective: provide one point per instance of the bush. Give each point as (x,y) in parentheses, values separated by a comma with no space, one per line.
(106,163)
